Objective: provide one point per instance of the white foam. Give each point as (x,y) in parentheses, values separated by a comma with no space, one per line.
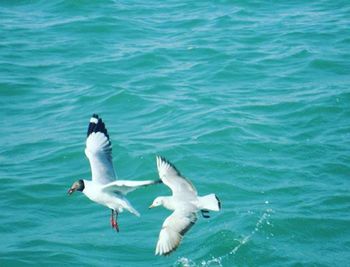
(263,219)
(218,261)
(184,262)
(213,262)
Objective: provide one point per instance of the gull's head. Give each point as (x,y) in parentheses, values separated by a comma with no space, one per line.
(157,202)
(76,186)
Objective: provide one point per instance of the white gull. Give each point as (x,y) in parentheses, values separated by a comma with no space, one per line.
(104,188)
(185,203)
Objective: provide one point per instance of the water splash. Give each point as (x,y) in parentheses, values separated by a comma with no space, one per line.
(258,225)
(184,262)
(217,261)
(213,262)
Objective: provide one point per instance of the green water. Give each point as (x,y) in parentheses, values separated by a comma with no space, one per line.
(249,99)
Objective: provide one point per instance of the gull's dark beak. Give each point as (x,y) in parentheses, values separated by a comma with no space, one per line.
(78,185)
(71,191)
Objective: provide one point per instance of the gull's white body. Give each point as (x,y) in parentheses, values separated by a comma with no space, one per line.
(97,193)
(104,188)
(184,203)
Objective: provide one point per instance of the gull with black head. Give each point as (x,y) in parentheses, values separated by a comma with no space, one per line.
(104,188)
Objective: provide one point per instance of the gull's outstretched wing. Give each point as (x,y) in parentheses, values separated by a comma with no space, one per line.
(172,178)
(99,151)
(124,187)
(173,230)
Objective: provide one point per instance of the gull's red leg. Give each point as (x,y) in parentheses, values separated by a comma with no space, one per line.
(116,226)
(112,219)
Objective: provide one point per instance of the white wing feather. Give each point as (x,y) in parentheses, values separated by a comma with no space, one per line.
(173,230)
(124,187)
(99,152)
(170,176)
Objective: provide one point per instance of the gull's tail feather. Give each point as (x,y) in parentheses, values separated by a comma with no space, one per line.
(209,202)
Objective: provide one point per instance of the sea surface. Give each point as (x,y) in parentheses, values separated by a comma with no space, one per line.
(250,100)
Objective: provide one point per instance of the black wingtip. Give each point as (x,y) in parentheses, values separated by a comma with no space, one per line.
(98,126)
(219,202)
(92,124)
(172,165)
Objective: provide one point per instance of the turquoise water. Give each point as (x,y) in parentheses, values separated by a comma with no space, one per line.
(249,99)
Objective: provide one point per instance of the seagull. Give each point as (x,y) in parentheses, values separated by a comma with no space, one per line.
(184,202)
(104,188)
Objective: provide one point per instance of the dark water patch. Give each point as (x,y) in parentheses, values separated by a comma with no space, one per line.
(337,67)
